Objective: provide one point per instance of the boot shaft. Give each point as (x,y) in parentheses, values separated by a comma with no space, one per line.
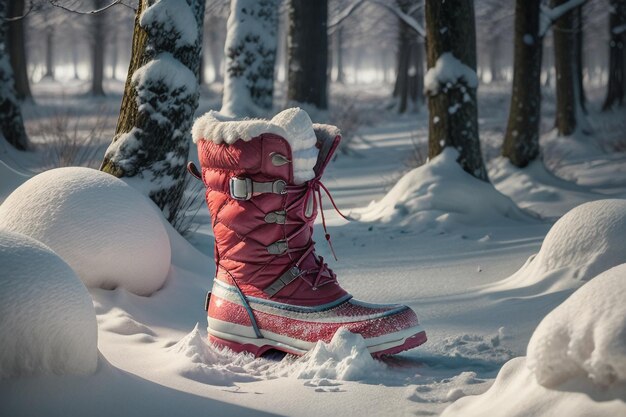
(261,196)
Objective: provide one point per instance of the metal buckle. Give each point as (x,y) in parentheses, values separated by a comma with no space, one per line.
(241,188)
(279,187)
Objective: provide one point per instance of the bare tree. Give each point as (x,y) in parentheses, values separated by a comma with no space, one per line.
(11,122)
(451,83)
(151,143)
(98,46)
(307,80)
(616,89)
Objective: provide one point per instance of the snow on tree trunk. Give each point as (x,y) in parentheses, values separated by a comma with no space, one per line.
(11,122)
(307,44)
(17,49)
(521,142)
(250,50)
(450,83)
(616,89)
(151,143)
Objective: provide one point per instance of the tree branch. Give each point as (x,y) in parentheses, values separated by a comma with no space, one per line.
(332,26)
(410,21)
(91,12)
(16,18)
(549,15)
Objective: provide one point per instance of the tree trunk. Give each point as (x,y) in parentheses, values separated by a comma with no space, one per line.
(307,80)
(114,55)
(341,74)
(75,60)
(11,122)
(406,59)
(98,50)
(616,89)
(521,142)
(579,24)
(452,106)
(152,138)
(49,54)
(494,63)
(566,63)
(17,50)
(250,51)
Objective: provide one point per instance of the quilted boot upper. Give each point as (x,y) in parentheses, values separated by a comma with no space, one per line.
(261,209)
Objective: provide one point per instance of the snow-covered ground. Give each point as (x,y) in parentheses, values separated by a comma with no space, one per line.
(454,250)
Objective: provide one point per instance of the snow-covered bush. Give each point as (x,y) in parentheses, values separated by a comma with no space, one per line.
(104,229)
(586,241)
(576,364)
(436,194)
(585,336)
(47,320)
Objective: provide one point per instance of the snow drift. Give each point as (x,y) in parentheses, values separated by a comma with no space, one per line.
(103,228)
(576,364)
(586,241)
(585,336)
(440,193)
(47,320)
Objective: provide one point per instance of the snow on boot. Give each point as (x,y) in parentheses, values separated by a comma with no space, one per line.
(271,291)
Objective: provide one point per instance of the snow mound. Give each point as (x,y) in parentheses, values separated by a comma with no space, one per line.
(103,228)
(47,320)
(586,241)
(584,336)
(345,358)
(576,364)
(438,194)
(516,393)
(195,359)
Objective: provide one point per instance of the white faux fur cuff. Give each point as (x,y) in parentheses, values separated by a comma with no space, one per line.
(292,124)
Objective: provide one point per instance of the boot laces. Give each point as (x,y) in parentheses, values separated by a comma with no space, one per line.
(312,189)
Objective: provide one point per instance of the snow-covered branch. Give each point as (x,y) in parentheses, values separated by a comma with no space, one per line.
(549,15)
(332,26)
(409,20)
(619,29)
(91,12)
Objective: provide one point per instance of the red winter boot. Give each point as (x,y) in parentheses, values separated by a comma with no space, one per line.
(271,291)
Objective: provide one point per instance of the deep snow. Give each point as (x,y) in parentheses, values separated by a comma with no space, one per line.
(154,358)
(103,228)
(47,320)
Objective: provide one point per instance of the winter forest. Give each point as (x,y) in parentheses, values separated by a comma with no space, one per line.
(313,208)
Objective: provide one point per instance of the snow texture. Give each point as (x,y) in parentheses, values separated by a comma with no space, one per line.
(169,17)
(448,72)
(435,195)
(104,229)
(586,241)
(293,124)
(250,50)
(345,358)
(516,393)
(576,364)
(47,320)
(585,336)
